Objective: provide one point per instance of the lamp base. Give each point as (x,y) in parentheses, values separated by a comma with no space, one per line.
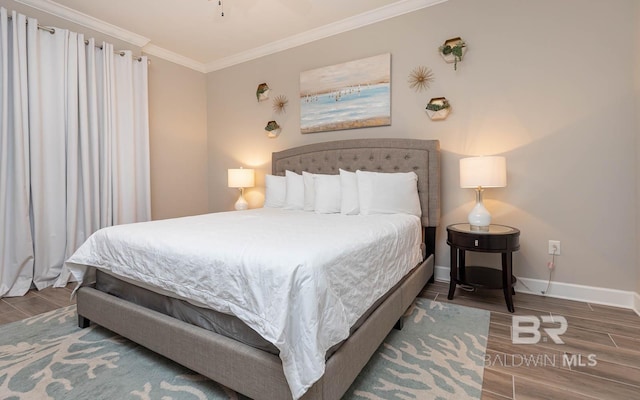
(241,204)
(479,217)
(477,228)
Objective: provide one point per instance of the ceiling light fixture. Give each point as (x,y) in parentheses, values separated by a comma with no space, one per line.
(221,7)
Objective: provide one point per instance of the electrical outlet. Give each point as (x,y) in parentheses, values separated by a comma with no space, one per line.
(554,247)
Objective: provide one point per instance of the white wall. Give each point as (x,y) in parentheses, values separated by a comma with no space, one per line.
(178,140)
(637,97)
(548,84)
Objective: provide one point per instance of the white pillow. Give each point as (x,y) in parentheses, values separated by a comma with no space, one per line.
(275,193)
(388,193)
(327,194)
(309,191)
(294,199)
(350,203)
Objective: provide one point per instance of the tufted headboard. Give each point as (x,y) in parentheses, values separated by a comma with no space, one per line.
(376,155)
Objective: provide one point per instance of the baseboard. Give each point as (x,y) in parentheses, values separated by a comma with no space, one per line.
(441,274)
(568,291)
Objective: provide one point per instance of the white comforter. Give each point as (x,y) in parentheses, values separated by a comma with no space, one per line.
(299,279)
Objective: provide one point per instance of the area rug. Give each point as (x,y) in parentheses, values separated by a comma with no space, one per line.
(439,354)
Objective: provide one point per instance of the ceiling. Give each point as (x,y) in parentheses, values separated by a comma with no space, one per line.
(195,34)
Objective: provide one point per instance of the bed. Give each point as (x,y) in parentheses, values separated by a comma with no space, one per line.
(255,371)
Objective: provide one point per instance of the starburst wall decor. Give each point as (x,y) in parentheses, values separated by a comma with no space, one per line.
(280,104)
(420,78)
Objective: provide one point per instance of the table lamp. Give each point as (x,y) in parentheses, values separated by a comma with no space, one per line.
(241,178)
(480,173)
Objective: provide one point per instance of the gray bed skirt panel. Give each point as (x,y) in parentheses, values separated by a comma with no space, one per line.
(250,371)
(211,320)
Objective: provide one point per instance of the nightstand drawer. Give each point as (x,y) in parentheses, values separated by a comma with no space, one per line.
(482,242)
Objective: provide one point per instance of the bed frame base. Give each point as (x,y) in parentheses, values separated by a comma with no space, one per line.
(249,371)
(83,322)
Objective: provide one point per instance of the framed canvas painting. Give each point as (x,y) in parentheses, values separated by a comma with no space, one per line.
(355,94)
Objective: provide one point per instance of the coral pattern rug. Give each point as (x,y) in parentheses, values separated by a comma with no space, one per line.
(439,354)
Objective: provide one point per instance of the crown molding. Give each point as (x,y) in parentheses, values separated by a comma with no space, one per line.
(85,20)
(347,24)
(176,58)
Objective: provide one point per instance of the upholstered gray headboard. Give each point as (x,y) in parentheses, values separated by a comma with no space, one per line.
(377,155)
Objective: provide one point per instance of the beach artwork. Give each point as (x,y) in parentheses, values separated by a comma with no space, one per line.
(356,94)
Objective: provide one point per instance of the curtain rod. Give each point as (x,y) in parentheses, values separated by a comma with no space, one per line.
(86,42)
(46,28)
(42,27)
(121,53)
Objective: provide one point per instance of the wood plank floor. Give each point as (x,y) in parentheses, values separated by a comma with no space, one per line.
(546,370)
(35,302)
(611,334)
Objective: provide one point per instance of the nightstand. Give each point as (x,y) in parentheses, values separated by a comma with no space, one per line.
(498,239)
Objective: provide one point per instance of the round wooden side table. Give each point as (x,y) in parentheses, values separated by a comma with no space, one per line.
(497,239)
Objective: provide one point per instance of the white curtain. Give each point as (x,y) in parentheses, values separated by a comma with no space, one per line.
(16,246)
(131,189)
(74,148)
(46,76)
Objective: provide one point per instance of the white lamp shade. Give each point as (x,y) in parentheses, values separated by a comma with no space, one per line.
(240,178)
(483,172)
